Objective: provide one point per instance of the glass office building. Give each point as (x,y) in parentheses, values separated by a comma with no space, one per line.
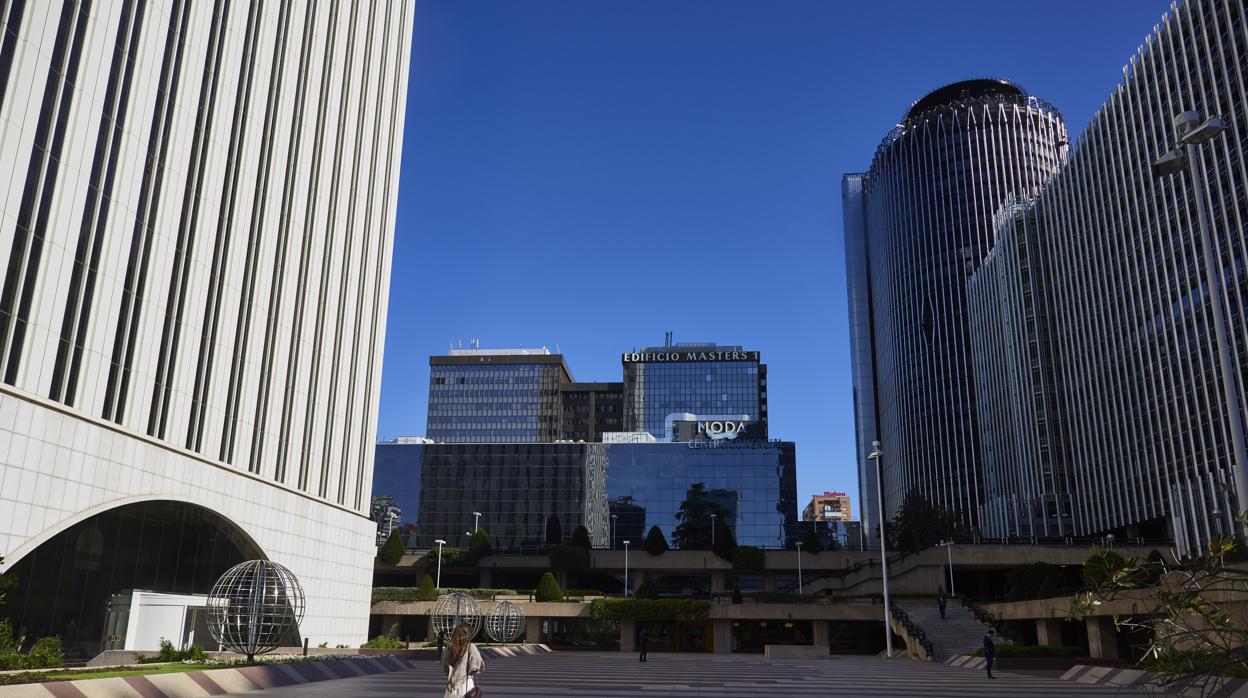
(705,380)
(495,396)
(617,491)
(916,224)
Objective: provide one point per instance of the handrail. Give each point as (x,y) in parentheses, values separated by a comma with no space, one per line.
(914,631)
(984,616)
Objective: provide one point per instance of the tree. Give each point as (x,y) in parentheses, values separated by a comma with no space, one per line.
(548,589)
(580,538)
(1100,567)
(425,591)
(655,543)
(479,545)
(811,542)
(554,530)
(392,551)
(646,589)
(1191,611)
(919,524)
(695,516)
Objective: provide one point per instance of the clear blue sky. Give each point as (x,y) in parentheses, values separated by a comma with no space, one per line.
(591,174)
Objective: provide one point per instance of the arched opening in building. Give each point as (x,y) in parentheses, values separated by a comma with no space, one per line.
(67,585)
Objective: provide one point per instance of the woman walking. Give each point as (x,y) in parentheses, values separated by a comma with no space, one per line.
(462,661)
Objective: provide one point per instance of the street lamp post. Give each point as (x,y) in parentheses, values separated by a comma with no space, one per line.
(1191,132)
(799,567)
(713,530)
(613,518)
(626,568)
(440,543)
(877,455)
(948,546)
(476,521)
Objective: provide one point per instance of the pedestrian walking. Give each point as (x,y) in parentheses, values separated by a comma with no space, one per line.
(462,663)
(643,644)
(940,603)
(990,653)
(441,643)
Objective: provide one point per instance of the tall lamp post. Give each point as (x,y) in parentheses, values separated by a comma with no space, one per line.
(476,521)
(440,543)
(878,456)
(713,530)
(799,567)
(626,568)
(1191,131)
(948,546)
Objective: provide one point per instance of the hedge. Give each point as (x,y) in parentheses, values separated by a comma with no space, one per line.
(652,610)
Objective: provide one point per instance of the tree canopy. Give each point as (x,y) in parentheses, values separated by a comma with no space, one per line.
(391,552)
(693,532)
(655,543)
(919,524)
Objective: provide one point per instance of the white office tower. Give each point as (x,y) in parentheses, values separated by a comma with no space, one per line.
(197,203)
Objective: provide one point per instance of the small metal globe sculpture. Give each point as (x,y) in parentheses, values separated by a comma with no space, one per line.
(453,609)
(254,606)
(504,622)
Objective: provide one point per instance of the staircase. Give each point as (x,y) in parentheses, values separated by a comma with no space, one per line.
(959,633)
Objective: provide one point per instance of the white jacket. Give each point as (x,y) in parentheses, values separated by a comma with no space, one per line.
(459,677)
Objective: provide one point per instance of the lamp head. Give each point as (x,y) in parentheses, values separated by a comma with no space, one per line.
(1171,163)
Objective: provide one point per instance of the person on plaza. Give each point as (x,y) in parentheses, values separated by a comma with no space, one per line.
(990,653)
(462,663)
(940,602)
(441,642)
(643,642)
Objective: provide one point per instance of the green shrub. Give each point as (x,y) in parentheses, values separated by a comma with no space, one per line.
(725,544)
(649,610)
(748,558)
(566,558)
(583,592)
(1101,566)
(548,589)
(580,538)
(426,591)
(392,551)
(811,542)
(655,543)
(479,546)
(646,589)
(453,557)
(384,642)
(168,653)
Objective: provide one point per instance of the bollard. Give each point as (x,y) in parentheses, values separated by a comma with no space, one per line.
(305,646)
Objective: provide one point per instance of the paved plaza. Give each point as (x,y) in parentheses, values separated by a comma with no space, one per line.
(616,674)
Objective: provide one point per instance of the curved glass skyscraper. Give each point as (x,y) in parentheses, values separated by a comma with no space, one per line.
(916,226)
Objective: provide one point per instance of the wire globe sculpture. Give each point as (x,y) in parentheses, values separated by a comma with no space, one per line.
(254,607)
(505,622)
(453,609)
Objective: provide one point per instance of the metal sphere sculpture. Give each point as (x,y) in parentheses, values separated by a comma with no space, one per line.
(505,622)
(254,606)
(453,609)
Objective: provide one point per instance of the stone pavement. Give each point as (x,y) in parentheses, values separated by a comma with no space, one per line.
(612,675)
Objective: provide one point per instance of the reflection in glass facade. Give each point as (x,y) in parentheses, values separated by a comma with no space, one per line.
(518,487)
(495,398)
(680,380)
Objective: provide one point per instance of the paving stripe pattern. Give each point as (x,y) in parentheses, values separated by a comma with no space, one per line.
(616,675)
(216,682)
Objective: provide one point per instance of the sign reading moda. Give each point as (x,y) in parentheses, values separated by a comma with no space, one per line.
(689,356)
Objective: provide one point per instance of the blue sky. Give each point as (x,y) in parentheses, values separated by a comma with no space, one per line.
(593,174)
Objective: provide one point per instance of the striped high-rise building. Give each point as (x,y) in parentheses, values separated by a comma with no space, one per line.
(197,203)
(916,225)
(1146,383)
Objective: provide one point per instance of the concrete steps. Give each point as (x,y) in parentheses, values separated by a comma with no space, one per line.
(959,632)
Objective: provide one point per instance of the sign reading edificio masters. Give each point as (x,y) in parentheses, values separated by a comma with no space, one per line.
(689,356)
